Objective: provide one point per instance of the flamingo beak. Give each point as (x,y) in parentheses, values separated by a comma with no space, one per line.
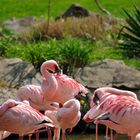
(58,70)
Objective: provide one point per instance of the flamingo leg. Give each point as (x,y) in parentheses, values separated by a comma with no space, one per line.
(96,131)
(30,135)
(20,137)
(56,134)
(111,134)
(37,135)
(131,138)
(63,135)
(49,134)
(106,134)
(1,136)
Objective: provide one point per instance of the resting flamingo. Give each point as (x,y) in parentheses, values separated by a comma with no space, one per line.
(58,87)
(117,109)
(65,117)
(20,118)
(34,95)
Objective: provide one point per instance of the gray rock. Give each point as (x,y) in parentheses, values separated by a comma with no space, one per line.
(111,73)
(15,73)
(18,25)
(76,10)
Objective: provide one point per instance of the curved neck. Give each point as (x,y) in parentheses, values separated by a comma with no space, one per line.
(49,86)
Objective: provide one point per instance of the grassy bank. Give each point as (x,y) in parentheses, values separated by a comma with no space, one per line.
(18,8)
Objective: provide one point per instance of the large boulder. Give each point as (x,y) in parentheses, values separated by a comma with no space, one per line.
(76,10)
(111,73)
(13,74)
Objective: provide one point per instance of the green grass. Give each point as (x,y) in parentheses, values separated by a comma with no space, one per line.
(23,8)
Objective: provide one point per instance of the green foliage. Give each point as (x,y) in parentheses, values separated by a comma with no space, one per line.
(6,40)
(75,53)
(35,53)
(131,35)
(69,52)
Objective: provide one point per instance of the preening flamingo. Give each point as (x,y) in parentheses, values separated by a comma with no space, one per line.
(58,87)
(20,118)
(117,109)
(65,117)
(55,87)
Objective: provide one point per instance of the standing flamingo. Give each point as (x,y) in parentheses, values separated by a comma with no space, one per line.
(65,117)
(117,109)
(58,87)
(55,87)
(20,118)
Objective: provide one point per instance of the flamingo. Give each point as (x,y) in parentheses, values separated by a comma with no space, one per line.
(20,118)
(117,109)
(58,87)
(34,95)
(55,87)
(65,117)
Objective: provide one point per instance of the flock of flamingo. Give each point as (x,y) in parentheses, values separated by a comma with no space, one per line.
(54,105)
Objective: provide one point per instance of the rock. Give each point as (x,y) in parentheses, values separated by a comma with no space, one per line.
(13,74)
(111,73)
(15,71)
(18,25)
(76,10)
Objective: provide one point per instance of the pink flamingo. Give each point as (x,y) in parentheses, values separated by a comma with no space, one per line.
(65,117)
(55,87)
(34,95)
(117,109)
(58,87)
(20,118)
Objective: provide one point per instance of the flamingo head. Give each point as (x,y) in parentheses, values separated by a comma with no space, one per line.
(95,100)
(50,66)
(98,96)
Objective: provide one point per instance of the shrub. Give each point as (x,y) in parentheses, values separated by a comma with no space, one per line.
(92,28)
(130,35)
(6,40)
(75,53)
(35,53)
(70,53)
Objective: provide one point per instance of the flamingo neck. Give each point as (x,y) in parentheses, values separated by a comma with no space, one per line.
(49,86)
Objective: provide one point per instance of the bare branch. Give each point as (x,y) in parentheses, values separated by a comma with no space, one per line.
(101,8)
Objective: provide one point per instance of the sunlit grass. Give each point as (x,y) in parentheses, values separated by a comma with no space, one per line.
(37,8)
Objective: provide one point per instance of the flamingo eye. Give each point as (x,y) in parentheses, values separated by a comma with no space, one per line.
(50,71)
(96,99)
